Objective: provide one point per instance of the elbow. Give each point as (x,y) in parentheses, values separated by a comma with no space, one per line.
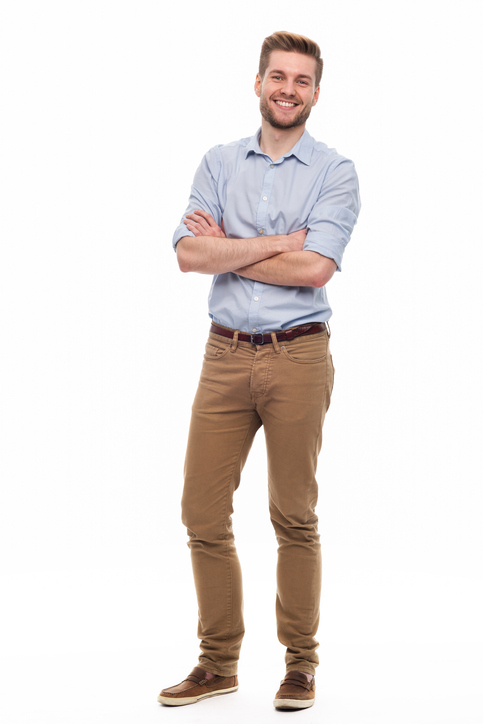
(184,265)
(319,279)
(323,272)
(322,280)
(184,257)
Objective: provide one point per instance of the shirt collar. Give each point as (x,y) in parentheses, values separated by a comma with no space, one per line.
(302,149)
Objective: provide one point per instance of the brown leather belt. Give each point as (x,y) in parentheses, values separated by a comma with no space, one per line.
(285,336)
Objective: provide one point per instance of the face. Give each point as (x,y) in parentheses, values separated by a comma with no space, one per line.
(287,91)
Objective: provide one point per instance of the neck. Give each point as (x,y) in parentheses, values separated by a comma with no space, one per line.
(277,141)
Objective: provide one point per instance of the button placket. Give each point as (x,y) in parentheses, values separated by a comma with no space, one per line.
(266,190)
(254,307)
(262,230)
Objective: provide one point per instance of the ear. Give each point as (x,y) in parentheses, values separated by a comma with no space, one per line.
(258,85)
(316,95)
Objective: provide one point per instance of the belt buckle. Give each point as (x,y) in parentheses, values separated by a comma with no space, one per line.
(252,338)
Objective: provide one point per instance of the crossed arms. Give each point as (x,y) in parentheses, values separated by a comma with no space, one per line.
(278,259)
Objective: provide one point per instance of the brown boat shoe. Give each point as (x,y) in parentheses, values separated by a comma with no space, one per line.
(295,692)
(196,687)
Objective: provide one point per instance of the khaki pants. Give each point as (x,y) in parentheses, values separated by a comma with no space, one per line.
(286,387)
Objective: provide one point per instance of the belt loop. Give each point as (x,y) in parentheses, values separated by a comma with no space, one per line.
(275,342)
(234,344)
(328,329)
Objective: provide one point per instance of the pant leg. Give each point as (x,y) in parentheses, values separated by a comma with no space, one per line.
(223,425)
(292,412)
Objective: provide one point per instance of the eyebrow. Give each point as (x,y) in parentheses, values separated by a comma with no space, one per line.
(301,75)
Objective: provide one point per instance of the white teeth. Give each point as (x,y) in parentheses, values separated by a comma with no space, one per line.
(283,103)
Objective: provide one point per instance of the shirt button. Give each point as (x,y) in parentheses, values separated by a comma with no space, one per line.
(256,299)
(260,231)
(272,165)
(254,329)
(264,198)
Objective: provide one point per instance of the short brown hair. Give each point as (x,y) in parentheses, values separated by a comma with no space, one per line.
(291,43)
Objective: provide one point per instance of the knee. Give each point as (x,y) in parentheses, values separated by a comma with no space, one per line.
(291,528)
(204,523)
(191,518)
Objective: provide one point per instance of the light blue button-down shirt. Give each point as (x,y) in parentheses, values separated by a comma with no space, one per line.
(310,187)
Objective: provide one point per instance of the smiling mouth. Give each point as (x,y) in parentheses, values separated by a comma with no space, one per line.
(286,104)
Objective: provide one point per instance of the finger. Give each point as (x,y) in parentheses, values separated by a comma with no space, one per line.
(193,225)
(196,232)
(196,217)
(199,220)
(206,216)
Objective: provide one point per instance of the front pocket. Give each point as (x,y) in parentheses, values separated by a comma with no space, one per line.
(306,351)
(215,350)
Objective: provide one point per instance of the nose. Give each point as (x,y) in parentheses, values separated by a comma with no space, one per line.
(289,87)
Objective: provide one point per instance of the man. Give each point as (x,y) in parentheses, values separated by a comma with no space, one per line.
(269,217)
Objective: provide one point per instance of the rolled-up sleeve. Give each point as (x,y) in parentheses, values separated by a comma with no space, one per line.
(204,193)
(335,213)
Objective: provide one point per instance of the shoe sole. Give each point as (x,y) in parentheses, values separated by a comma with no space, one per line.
(293,703)
(182,701)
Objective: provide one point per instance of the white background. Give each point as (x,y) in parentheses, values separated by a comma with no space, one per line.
(107,108)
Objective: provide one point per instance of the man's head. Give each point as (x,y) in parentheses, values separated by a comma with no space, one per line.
(291,43)
(288,79)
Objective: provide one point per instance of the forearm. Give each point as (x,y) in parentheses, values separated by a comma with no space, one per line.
(292,269)
(215,255)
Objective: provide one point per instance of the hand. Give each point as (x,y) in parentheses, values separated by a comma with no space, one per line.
(296,240)
(203,224)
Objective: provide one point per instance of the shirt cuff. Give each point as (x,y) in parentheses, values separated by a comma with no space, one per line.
(181,231)
(326,245)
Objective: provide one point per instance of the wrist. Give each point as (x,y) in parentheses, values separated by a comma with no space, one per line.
(277,243)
